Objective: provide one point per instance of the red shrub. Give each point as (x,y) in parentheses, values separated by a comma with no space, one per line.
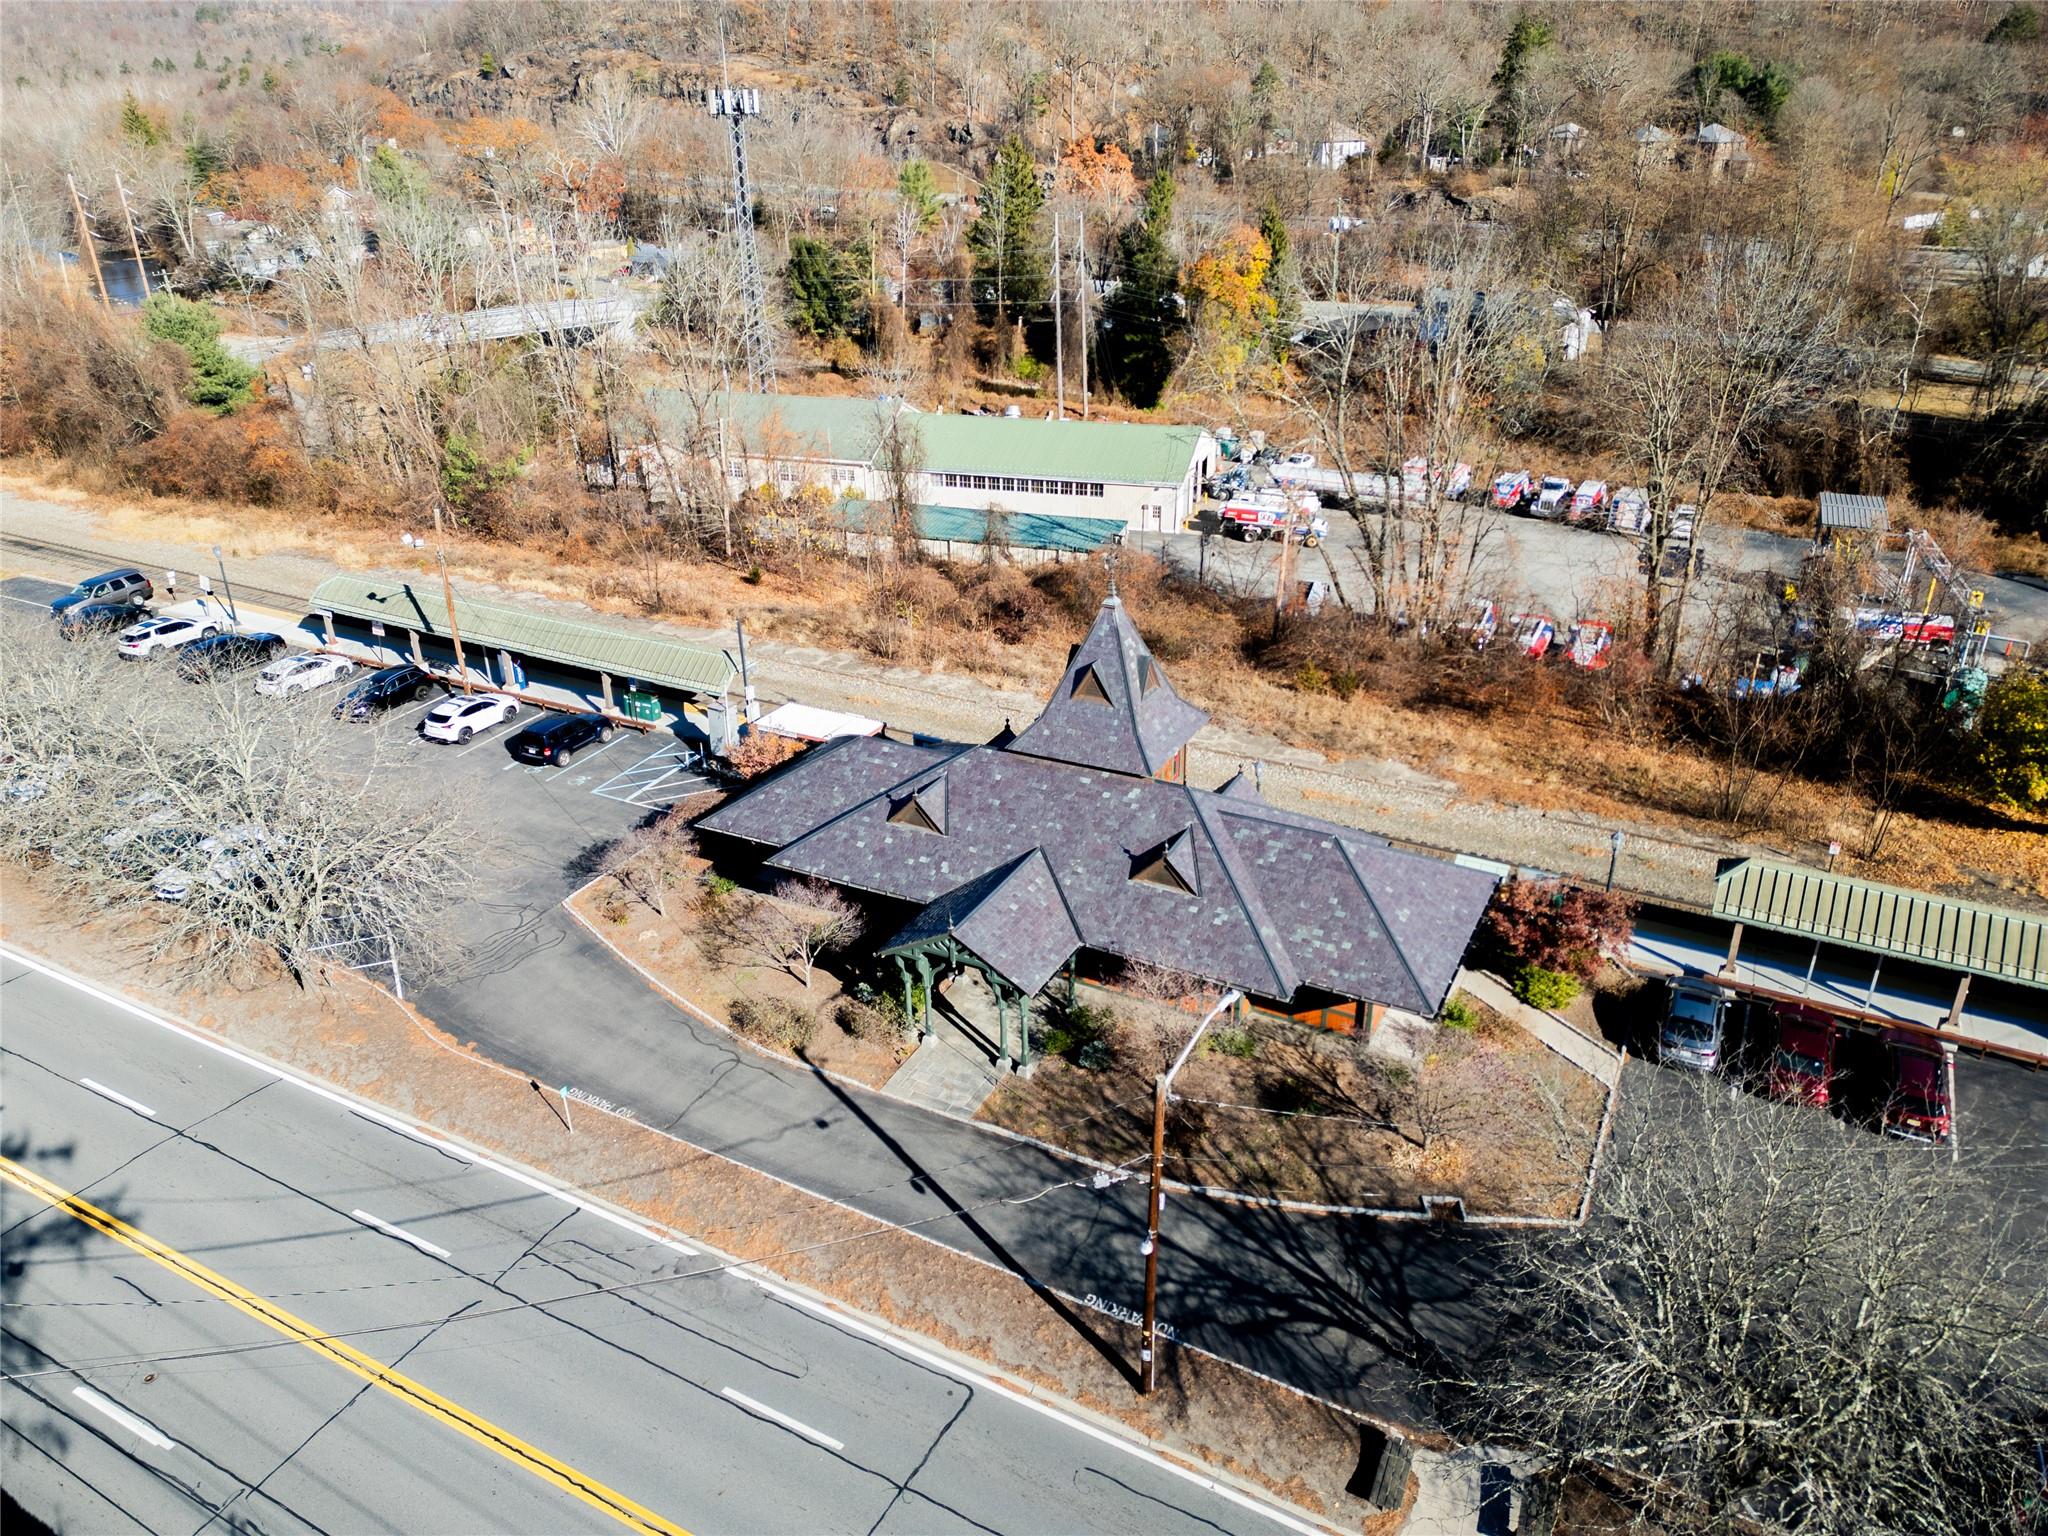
(1557,926)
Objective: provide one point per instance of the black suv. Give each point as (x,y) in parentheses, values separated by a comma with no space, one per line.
(219,655)
(385,690)
(84,619)
(127,586)
(556,739)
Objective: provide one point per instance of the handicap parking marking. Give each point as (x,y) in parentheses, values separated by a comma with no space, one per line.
(660,778)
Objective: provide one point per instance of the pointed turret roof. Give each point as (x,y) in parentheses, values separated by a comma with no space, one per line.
(1113,708)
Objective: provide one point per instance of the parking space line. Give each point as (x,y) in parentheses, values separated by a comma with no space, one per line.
(582,762)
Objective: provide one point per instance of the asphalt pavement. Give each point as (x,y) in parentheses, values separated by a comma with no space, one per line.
(269,1310)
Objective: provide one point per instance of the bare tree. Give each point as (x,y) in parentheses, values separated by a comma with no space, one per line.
(793,929)
(228,817)
(1777,1323)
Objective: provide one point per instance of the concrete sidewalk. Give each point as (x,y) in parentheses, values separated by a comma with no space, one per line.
(1596,1058)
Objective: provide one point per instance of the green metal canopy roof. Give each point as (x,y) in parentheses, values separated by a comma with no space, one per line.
(1115,452)
(1885,920)
(830,427)
(646,658)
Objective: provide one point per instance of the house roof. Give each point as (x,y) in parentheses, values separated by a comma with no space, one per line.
(1719,133)
(1650,133)
(1115,452)
(1220,885)
(1840,510)
(486,626)
(1013,917)
(782,426)
(1883,919)
(1113,708)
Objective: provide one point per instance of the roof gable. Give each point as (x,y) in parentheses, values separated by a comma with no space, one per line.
(1113,708)
(1014,917)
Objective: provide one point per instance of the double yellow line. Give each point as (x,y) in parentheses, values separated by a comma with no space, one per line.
(529,1458)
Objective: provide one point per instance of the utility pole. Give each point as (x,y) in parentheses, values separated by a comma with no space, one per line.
(1059,348)
(134,244)
(85,242)
(1081,242)
(448,593)
(1148,1352)
(737,105)
(1162,1090)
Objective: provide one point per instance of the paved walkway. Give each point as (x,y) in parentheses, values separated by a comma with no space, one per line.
(1597,1059)
(954,1070)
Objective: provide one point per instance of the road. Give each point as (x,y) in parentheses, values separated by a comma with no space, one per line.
(273,1311)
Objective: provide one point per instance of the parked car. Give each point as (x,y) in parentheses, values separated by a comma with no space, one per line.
(1803,1066)
(1592,644)
(145,852)
(1695,1027)
(1534,633)
(222,655)
(458,719)
(1553,496)
(1296,461)
(301,674)
(557,739)
(126,586)
(1589,502)
(386,689)
(219,861)
(1918,1108)
(95,619)
(154,637)
(1683,517)
(1512,490)
(1629,511)
(1481,623)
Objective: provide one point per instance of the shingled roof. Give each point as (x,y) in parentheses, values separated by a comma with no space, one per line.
(1113,708)
(1027,849)
(1013,917)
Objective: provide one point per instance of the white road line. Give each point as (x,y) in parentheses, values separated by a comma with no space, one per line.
(762,1410)
(401,1234)
(26,602)
(119,1098)
(846,1322)
(583,762)
(141,1429)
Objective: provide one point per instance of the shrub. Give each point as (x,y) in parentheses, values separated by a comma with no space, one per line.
(717,887)
(1239,1043)
(1557,926)
(1547,989)
(863,1017)
(774,1022)
(2009,763)
(1459,1014)
(1310,678)
(247,457)
(1075,1028)
(1095,1056)
(218,381)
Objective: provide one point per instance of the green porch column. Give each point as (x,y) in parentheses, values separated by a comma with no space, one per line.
(1023,1034)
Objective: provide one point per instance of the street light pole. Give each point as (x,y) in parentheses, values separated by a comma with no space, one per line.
(448,593)
(1148,1355)
(227,588)
(1614,841)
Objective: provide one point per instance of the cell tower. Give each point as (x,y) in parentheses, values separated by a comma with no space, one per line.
(737,105)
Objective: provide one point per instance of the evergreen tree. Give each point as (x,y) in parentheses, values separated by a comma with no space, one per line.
(1007,238)
(1145,317)
(138,124)
(218,382)
(395,179)
(1282,280)
(915,186)
(824,295)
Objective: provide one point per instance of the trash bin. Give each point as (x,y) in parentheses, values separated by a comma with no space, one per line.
(640,706)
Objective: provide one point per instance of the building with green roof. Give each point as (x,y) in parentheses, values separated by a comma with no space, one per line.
(1140,476)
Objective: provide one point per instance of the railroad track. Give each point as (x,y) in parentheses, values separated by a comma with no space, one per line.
(88,561)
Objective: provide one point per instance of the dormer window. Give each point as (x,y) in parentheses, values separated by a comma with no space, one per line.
(1088,685)
(923,808)
(1171,864)
(1148,675)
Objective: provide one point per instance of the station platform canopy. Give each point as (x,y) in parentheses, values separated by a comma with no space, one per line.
(421,609)
(1884,919)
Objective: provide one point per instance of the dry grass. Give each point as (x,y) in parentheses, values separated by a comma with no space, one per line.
(1205,1413)
(1299,1114)
(676,950)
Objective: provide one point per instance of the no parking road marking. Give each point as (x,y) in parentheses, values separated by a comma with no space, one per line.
(662,777)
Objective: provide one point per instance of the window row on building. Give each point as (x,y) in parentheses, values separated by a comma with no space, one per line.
(1029,487)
